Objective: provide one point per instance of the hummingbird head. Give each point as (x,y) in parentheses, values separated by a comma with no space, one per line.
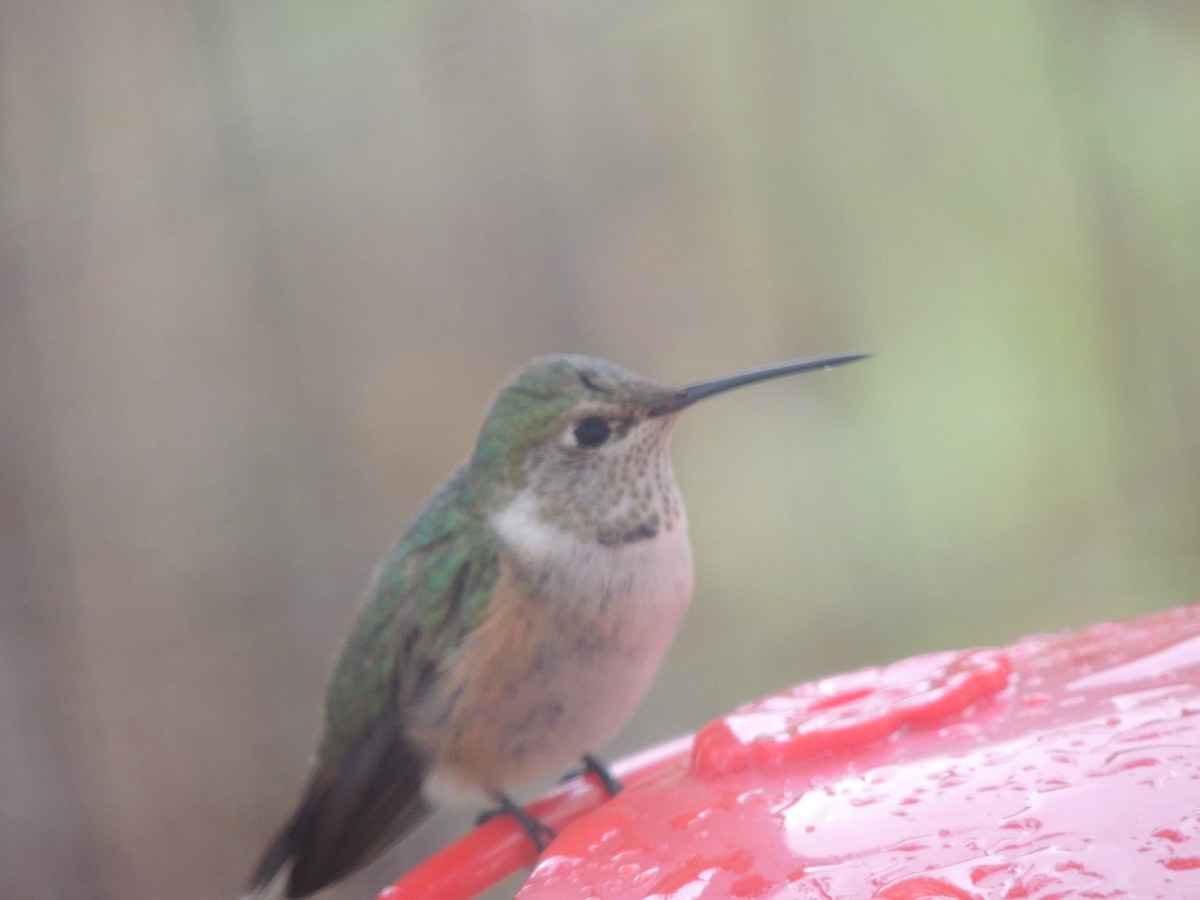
(587,440)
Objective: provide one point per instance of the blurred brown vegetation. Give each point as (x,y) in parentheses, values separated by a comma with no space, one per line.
(263,263)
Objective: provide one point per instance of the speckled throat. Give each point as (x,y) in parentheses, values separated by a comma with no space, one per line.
(622,494)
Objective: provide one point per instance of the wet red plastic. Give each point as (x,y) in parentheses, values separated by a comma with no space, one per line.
(841,714)
(1062,766)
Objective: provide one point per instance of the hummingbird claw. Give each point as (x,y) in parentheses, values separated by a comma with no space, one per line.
(539,832)
(608,781)
(592,765)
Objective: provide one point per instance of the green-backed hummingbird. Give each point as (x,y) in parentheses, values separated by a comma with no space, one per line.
(516,625)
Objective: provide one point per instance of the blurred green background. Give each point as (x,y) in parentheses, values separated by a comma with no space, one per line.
(263,263)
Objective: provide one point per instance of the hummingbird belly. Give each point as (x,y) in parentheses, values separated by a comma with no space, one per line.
(567,652)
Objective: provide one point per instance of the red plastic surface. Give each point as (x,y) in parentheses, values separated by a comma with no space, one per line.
(842,714)
(1062,766)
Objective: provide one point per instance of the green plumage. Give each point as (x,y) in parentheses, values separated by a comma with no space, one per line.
(431,591)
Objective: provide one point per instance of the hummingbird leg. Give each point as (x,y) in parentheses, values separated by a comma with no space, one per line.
(539,832)
(591,764)
(607,780)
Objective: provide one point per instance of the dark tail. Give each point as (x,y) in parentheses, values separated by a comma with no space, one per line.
(352,810)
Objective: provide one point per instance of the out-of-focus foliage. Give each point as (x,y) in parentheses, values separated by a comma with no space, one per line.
(263,263)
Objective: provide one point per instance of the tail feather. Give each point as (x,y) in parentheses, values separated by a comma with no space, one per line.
(351,811)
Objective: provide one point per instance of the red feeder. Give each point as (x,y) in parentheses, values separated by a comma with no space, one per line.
(1061,766)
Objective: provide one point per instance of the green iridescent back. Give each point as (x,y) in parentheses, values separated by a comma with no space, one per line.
(431,591)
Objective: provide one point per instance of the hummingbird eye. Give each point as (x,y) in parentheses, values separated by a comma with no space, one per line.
(592,431)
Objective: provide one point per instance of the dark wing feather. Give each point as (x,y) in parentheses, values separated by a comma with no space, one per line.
(350,813)
(365,791)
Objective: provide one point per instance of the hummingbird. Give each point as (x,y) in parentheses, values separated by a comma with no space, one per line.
(515,626)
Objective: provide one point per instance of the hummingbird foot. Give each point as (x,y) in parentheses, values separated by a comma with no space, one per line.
(607,780)
(539,832)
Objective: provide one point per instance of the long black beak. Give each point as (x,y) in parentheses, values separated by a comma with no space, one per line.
(690,394)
